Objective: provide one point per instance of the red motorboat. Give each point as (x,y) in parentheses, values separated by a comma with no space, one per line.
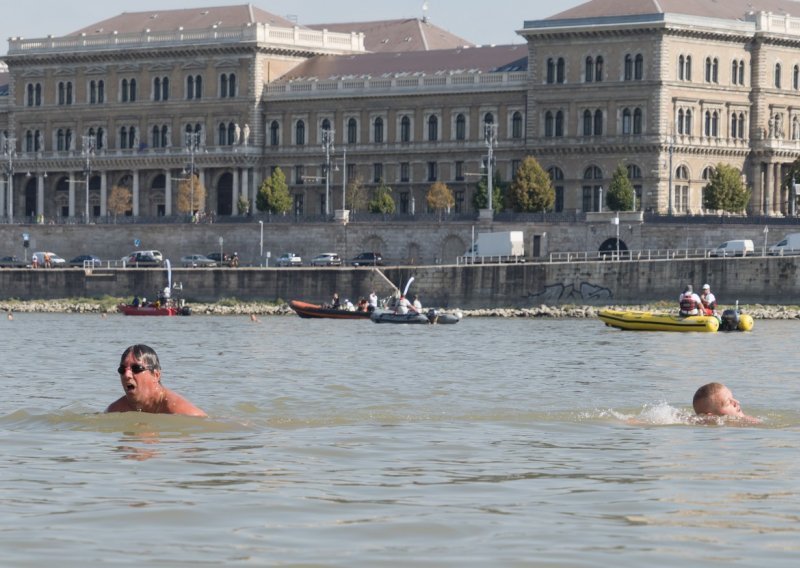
(170,309)
(307,310)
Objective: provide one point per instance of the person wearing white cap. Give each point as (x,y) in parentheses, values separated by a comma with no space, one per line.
(709,301)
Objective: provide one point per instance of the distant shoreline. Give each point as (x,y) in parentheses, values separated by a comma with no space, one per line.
(237,308)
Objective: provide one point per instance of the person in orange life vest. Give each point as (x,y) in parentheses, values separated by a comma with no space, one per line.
(709,301)
(689,302)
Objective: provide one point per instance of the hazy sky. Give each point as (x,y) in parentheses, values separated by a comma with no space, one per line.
(480,22)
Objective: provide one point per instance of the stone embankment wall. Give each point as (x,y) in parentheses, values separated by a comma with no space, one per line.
(751,280)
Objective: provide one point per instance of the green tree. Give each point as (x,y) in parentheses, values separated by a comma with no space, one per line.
(531,190)
(620,193)
(480,197)
(440,198)
(273,195)
(382,201)
(725,190)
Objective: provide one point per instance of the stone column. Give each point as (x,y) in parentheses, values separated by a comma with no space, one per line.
(135,191)
(71,194)
(246,185)
(168,192)
(768,194)
(103,194)
(39,194)
(236,190)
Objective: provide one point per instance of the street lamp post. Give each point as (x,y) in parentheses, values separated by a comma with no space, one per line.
(344,180)
(10,152)
(327,143)
(490,137)
(261,241)
(600,199)
(89,145)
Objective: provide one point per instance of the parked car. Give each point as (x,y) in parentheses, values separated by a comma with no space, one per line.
(289,259)
(219,258)
(13,262)
(740,247)
(156,254)
(142,259)
(367,259)
(55,260)
(327,259)
(86,260)
(197,260)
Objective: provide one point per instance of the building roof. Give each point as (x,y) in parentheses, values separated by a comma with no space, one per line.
(189,19)
(720,9)
(411,34)
(495,59)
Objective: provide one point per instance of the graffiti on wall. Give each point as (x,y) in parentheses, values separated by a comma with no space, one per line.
(583,293)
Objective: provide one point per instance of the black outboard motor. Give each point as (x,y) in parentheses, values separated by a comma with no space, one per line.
(730,320)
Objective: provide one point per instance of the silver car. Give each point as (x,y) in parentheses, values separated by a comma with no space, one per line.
(289,259)
(197,260)
(327,259)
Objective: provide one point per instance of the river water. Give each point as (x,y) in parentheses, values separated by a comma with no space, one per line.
(493,442)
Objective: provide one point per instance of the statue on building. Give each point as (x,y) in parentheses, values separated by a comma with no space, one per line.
(103,140)
(779,132)
(168,137)
(771,127)
(237,133)
(246,134)
(795,129)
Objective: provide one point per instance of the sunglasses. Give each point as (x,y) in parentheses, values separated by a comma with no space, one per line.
(135,368)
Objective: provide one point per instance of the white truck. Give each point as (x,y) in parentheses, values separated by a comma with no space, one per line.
(503,246)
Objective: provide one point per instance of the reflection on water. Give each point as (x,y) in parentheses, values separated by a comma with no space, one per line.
(492,442)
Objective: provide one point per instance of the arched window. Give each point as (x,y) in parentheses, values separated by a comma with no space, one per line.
(198,87)
(378,130)
(231,133)
(592,189)
(227,85)
(132,136)
(488,118)
(796,78)
(734,125)
(69,92)
(352,131)
(560,70)
(551,71)
(557,179)
(598,69)
(680,121)
(60,140)
(687,125)
(588,74)
(157,89)
(741,72)
(627,121)
(741,125)
(628,73)
(62,96)
(637,121)
(274,133)
(326,125)
(222,134)
(688,68)
(165,143)
(405,129)
(598,123)
(638,67)
(734,72)
(433,128)
(587,122)
(29,100)
(681,68)
(461,127)
(123,138)
(190,87)
(125,91)
(548,124)
(156,137)
(100,142)
(777,75)
(559,124)
(300,133)
(516,125)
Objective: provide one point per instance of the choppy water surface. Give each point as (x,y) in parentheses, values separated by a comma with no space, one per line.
(491,442)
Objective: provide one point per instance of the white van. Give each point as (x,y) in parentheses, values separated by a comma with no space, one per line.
(789,245)
(740,247)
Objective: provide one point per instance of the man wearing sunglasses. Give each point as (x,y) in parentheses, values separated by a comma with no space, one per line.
(140,373)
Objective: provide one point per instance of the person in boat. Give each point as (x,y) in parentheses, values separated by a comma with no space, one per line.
(689,302)
(335,302)
(403,306)
(135,302)
(362,305)
(417,304)
(709,301)
(715,399)
(348,305)
(373,301)
(140,374)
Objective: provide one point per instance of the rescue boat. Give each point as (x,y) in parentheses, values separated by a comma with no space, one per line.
(731,320)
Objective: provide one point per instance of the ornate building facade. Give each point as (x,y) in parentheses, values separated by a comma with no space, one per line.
(669,89)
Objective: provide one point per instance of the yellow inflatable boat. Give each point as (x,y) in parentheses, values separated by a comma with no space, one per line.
(731,320)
